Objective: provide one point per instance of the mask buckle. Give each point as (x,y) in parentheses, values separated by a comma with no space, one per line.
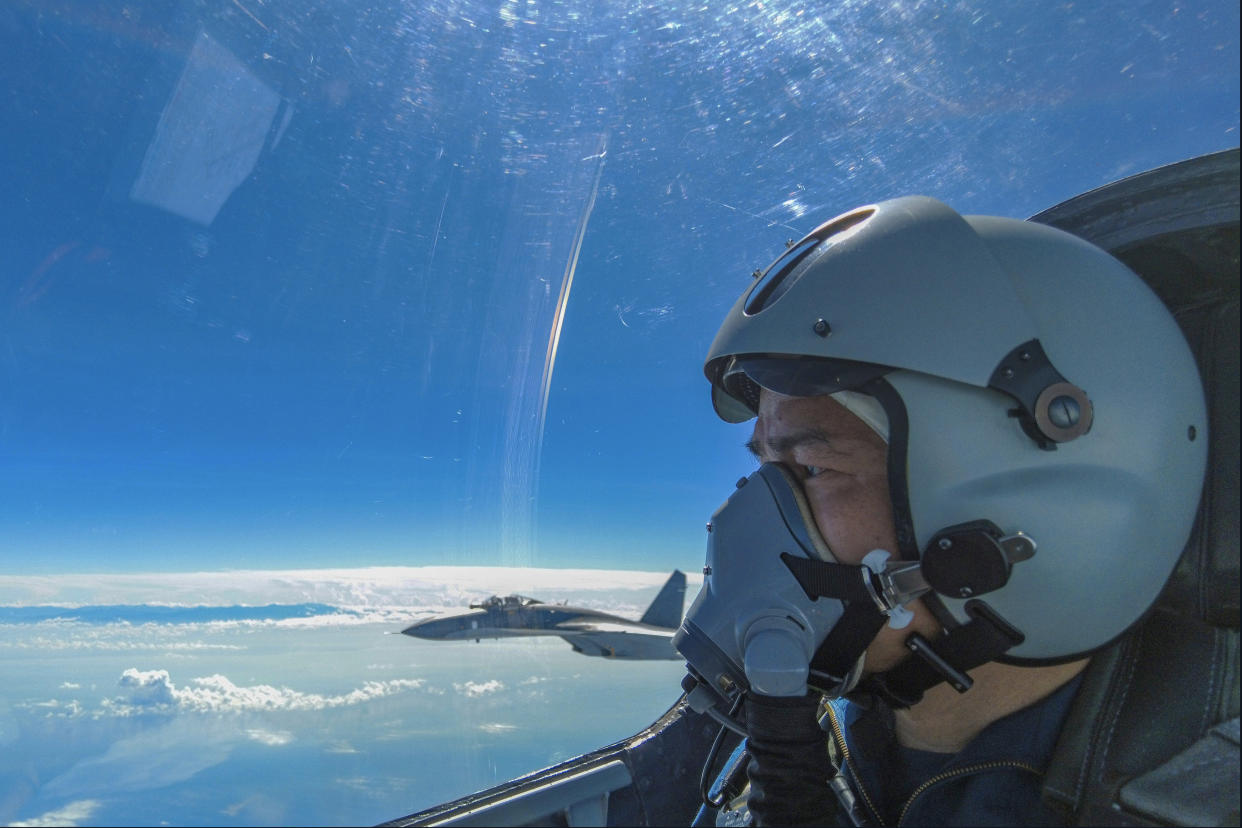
(893,585)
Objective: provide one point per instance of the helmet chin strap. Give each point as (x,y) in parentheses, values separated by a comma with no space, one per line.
(880,595)
(874,593)
(984,638)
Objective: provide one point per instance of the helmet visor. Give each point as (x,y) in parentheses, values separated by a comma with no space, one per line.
(735,391)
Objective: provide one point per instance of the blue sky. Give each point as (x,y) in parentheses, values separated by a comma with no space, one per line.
(344,362)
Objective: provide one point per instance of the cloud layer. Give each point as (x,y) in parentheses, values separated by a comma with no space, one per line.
(153,691)
(474,689)
(69,815)
(402,588)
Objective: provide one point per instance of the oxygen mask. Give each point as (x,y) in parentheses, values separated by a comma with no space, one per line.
(777,614)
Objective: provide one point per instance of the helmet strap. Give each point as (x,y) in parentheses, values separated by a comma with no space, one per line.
(984,638)
(835,658)
(849,638)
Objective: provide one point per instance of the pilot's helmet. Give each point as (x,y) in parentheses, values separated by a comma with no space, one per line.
(1027,378)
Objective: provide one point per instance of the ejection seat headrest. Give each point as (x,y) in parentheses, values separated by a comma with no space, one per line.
(1205,583)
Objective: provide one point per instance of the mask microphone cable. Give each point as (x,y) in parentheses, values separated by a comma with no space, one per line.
(725,793)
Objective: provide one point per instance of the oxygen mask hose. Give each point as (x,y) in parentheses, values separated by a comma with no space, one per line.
(789,766)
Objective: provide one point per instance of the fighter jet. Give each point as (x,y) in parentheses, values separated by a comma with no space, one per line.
(588,631)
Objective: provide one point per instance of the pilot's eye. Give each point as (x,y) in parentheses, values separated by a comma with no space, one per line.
(813,471)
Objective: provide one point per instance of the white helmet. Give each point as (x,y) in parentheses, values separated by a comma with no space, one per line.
(1034,387)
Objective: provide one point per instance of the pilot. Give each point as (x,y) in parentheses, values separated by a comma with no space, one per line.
(1008,407)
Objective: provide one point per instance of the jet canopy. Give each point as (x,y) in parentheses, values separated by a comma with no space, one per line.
(506,602)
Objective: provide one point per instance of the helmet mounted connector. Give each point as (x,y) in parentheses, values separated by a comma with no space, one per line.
(973,558)
(1052,410)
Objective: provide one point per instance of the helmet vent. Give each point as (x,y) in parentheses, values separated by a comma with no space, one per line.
(785,272)
(778,279)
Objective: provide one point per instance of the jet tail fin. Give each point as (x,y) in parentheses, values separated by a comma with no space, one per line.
(666,609)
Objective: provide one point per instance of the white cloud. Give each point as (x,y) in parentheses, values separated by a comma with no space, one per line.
(341,746)
(474,689)
(148,688)
(99,641)
(496,727)
(56,709)
(270,738)
(70,685)
(355,617)
(70,814)
(153,691)
(259,809)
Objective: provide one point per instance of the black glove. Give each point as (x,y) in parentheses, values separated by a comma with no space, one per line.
(789,767)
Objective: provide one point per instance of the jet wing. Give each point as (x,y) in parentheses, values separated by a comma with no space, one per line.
(587,626)
(610,639)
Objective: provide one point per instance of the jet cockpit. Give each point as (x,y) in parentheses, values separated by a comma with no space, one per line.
(505,602)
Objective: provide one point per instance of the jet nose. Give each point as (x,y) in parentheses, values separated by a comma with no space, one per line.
(447,627)
(424,629)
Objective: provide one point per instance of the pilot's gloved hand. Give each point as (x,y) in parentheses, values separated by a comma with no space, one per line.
(789,766)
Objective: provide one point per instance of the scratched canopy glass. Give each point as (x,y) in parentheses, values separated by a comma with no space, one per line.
(308,305)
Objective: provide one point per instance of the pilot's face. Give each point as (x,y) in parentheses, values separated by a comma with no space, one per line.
(841,464)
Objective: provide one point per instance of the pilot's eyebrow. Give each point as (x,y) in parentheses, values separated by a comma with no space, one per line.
(788,442)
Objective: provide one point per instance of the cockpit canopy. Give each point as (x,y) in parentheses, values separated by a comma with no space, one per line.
(506,602)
